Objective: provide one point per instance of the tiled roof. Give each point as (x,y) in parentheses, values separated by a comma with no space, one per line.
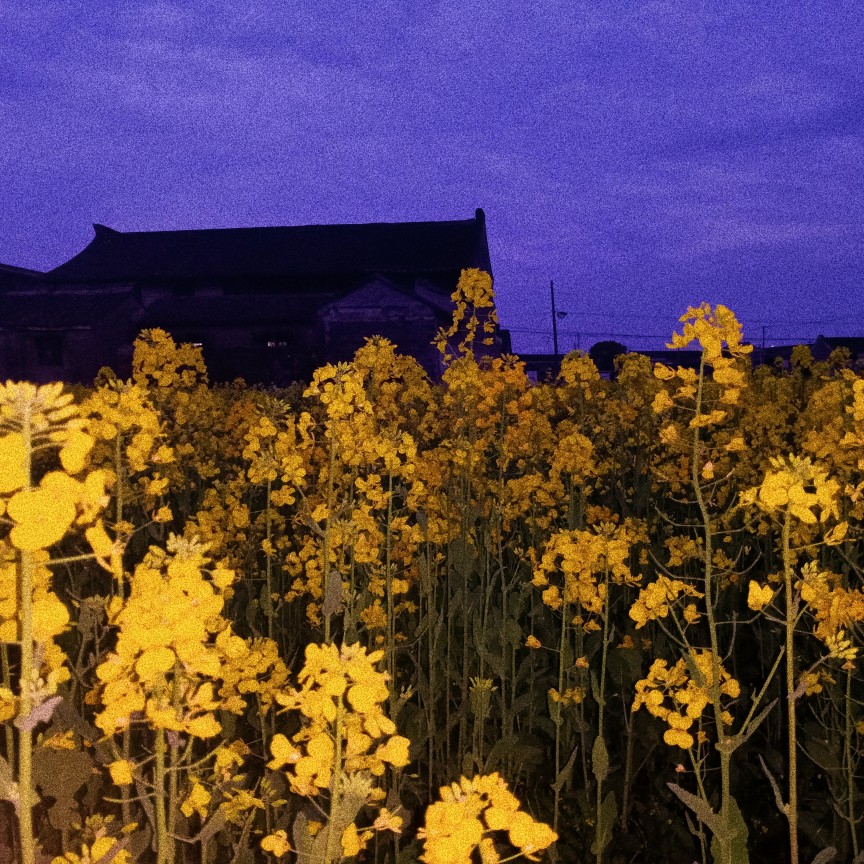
(59,311)
(408,247)
(230,311)
(855,344)
(11,276)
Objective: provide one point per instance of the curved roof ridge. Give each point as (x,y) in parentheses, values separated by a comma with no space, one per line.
(424,246)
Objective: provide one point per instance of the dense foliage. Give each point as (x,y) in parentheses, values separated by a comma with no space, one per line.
(246,624)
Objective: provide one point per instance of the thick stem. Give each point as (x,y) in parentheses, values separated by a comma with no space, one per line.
(601,705)
(162,838)
(27,797)
(723,741)
(849,766)
(269,568)
(7,682)
(325,564)
(330,852)
(559,717)
(791,616)
(25,736)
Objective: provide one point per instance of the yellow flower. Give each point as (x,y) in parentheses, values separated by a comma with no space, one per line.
(42,518)
(284,753)
(759,595)
(691,613)
(395,751)
(387,821)
(154,663)
(50,617)
(196,801)
(678,738)
(276,843)
(75,450)
(661,402)
(121,772)
(101,544)
(351,841)
(206,726)
(163,514)
(533,642)
(13,463)
(103,848)
(60,741)
(8,704)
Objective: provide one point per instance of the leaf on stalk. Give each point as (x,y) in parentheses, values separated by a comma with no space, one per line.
(699,806)
(606,824)
(729,843)
(60,774)
(778,798)
(600,759)
(8,786)
(566,772)
(41,713)
(512,633)
(461,557)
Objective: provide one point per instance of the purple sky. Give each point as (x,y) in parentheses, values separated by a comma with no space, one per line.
(645,155)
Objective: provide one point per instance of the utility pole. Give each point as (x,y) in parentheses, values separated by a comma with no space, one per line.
(554,319)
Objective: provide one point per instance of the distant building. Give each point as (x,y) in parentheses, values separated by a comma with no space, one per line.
(266,304)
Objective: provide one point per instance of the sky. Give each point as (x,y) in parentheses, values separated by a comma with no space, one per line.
(647,156)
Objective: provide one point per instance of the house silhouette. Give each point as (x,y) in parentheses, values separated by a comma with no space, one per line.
(266,304)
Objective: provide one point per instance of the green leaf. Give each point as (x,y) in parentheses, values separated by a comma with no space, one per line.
(461,557)
(600,759)
(8,786)
(554,709)
(566,772)
(606,824)
(699,806)
(60,774)
(729,843)
(512,633)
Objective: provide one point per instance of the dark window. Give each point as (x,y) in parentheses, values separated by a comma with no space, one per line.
(49,347)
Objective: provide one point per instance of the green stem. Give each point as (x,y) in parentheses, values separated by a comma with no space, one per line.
(25,736)
(723,741)
(791,616)
(325,566)
(601,705)
(848,765)
(330,852)
(7,682)
(268,606)
(162,838)
(27,797)
(559,717)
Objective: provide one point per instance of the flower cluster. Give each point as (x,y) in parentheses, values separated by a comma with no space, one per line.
(158,361)
(471,815)
(474,308)
(170,646)
(655,599)
(797,486)
(581,557)
(687,688)
(341,697)
(346,741)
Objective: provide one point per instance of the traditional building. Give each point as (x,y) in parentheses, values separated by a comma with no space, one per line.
(265,304)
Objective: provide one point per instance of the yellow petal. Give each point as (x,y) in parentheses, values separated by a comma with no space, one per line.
(14,464)
(121,772)
(74,452)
